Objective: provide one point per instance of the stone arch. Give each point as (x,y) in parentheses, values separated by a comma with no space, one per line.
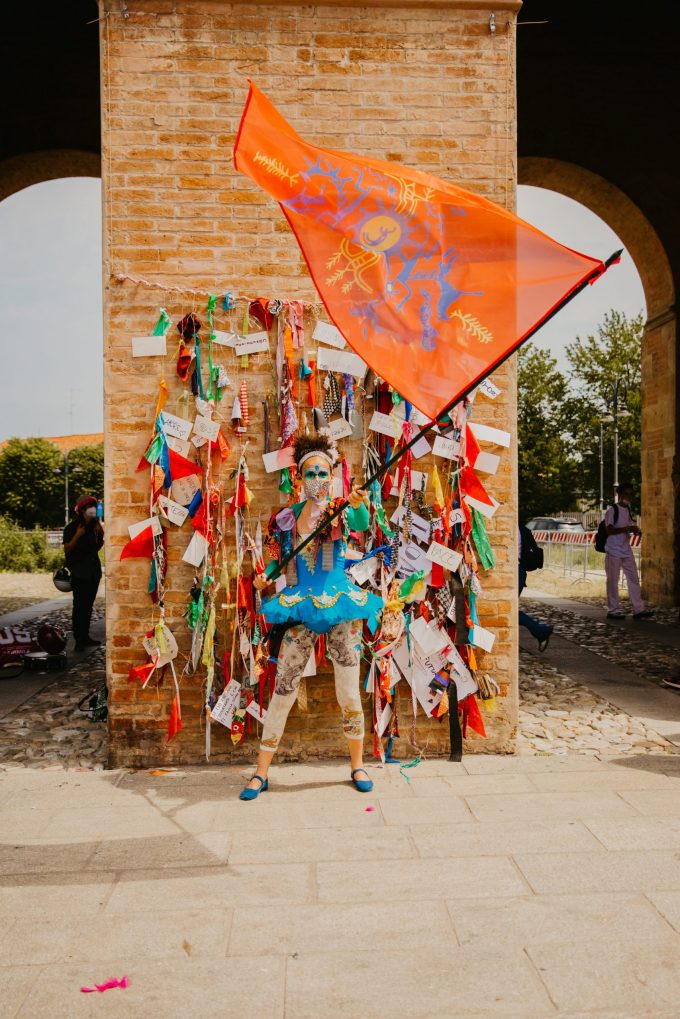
(22,171)
(659,388)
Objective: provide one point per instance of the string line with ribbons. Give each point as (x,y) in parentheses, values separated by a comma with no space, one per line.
(595,274)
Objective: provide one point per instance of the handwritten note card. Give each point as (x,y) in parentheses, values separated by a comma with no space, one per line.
(227,339)
(482,638)
(184,489)
(206,428)
(175,513)
(179,428)
(255,343)
(448,448)
(385,424)
(484,433)
(444,556)
(326,333)
(223,711)
(338,428)
(489,389)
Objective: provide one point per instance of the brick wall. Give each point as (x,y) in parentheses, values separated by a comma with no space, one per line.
(420,83)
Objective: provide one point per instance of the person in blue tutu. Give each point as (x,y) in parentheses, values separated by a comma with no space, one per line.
(319,597)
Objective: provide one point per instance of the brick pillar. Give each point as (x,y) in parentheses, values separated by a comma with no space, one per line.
(426,84)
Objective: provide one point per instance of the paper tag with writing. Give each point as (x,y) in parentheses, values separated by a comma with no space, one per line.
(254,343)
(223,711)
(456,516)
(278,459)
(180,428)
(180,446)
(340,361)
(198,441)
(445,556)
(324,332)
(420,448)
(338,428)
(364,571)
(428,635)
(412,558)
(175,513)
(184,489)
(148,346)
(258,712)
(489,389)
(446,447)
(385,424)
(416,482)
(206,428)
(420,528)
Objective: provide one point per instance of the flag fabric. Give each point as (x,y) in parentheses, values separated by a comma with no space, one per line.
(431,285)
(139,547)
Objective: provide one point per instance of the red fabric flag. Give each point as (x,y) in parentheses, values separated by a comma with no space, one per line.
(139,547)
(175,720)
(180,467)
(471,485)
(431,285)
(472,716)
(141,672)
(472,447)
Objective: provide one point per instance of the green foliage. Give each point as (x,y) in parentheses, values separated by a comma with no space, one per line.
(32,483)
(559,418)
(547,470)
(26,551)
(86,472)
(32,489)
(597,363)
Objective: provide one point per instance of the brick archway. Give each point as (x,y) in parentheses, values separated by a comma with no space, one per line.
(21,172)
(660,566)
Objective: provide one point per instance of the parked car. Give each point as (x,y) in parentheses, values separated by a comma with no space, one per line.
(553,524)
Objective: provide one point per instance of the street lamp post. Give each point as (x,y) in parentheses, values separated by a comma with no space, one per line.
(604,419)
(75,470)
(616,403)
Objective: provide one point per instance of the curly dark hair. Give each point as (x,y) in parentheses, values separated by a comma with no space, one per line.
(310,444)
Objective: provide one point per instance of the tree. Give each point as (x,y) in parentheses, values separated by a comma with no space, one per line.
(597,363)
(547,470)
(86,472)
(32,483)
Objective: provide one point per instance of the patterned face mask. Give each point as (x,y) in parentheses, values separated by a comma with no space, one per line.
(317,486)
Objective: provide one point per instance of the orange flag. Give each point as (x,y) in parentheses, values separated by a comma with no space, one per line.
(431,285)
(175,719)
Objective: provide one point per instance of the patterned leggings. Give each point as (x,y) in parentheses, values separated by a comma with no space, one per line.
(343,643)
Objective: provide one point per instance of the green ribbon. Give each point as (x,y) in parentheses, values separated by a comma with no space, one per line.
(285,484)
(411,764)
(213,373)
(410,582)
(481,539)
(162,325)
(154,451)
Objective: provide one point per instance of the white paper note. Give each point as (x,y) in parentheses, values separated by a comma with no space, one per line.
(179,428)
(456,516)
(412,558)
(254,343)
(384,719)
(444,556)
(196,550)
(465,682)
(420,528)
(310,667)
(226,704)
(338,428)
(198,441)
(340,361)
(417,418)
(416,482)
(324,332)
(184,489)
(484,433)
(487,463)
(206,428)
(152,522)
(489,389)
(175,513)
(420,448)
(429,637)
(180,446)
(258,713)
(385,424)
(148,346)
(278,459)
(448,448)
(482,638)
(363,571)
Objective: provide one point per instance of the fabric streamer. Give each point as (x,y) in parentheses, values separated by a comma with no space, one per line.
(109,985)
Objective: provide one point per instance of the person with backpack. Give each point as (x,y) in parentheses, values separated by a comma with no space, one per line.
(618,555)
(530,559)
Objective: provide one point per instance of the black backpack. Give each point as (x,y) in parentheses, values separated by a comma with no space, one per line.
(601,533)
(532,555)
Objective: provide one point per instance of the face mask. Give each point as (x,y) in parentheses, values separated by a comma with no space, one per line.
(317,487)
(90,513)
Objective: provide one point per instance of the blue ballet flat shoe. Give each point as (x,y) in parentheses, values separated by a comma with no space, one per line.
(363,785)
(252,794)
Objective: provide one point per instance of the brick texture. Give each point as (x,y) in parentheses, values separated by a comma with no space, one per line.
(430,87)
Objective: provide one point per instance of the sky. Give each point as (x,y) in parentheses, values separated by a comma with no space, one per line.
(51,307)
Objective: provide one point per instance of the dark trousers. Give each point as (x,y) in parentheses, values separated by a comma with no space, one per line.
(84,594)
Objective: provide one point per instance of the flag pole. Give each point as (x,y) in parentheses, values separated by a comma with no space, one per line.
(590,278)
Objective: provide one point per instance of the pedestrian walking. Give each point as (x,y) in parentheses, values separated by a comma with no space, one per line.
(619,556)
(83,537)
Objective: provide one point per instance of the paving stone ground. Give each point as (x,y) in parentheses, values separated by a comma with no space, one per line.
(541,885)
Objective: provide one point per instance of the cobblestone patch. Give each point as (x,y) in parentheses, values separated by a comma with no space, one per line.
(649,659)
(559,716)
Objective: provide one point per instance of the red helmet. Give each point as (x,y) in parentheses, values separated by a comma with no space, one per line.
(51,639)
